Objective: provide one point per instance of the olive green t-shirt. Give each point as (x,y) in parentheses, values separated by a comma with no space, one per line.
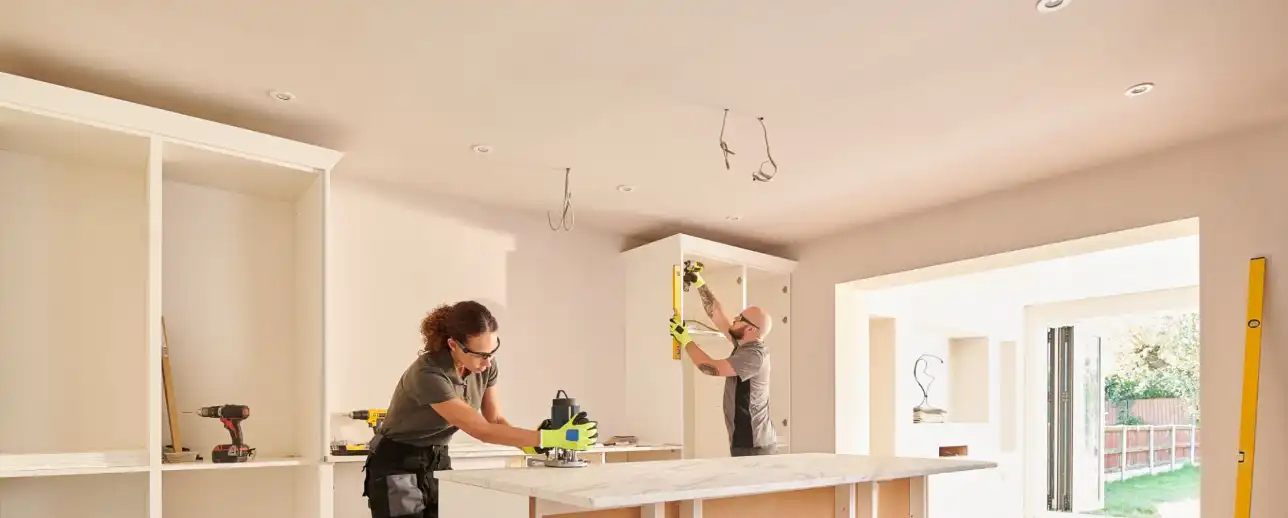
(429,380)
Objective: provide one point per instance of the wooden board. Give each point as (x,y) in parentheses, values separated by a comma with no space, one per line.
(167,377)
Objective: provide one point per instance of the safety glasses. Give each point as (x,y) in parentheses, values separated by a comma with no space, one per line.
(484,356)
(744,320)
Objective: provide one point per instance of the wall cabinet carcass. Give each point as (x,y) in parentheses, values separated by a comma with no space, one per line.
(671,402)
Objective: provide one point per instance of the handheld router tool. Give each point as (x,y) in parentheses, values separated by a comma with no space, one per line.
(562,410)
(231,416)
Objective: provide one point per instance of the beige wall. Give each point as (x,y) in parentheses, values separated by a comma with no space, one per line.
(1236,184)
(395,254)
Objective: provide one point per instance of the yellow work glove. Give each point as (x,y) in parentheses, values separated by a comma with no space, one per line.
(578,434)
(679,333)
(537,450)
(693,275)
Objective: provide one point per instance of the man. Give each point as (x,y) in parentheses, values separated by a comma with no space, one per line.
(746,371)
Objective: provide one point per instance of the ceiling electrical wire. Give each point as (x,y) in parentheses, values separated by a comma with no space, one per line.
(566,217)
(761,175)
(724,146)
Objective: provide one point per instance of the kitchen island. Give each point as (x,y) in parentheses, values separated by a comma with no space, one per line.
(805,485)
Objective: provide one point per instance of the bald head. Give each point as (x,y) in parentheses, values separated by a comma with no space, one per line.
(754,324)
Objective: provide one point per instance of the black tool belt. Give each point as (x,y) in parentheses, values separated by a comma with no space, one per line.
(398,480)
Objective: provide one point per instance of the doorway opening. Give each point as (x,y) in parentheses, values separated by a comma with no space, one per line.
(1133,412)
(1040,360)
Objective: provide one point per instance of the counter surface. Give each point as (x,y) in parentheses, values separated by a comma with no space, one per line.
(640,483)
(482,450)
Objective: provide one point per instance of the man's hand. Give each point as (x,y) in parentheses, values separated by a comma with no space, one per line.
(578,434)
(678,332)
(693,275)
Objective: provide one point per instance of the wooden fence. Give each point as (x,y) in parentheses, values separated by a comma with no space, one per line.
(1145,450)
(1161,411)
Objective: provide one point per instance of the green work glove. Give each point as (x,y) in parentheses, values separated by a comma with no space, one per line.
(537,450)
(693,275)
(578,434)
(679,333)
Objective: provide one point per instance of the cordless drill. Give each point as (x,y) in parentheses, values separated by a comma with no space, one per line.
(231,416)
(373,416)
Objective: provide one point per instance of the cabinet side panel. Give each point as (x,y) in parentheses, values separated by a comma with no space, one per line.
(654,381)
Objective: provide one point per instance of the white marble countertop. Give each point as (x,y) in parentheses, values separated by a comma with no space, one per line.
(639,483)
(484,450)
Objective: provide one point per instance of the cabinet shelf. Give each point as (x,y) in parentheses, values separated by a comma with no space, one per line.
(252,464)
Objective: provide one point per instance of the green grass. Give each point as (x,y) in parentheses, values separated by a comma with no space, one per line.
(1139,497)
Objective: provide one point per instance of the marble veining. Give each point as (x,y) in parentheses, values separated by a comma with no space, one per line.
(638,483)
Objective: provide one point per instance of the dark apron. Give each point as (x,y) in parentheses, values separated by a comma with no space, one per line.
(398,480)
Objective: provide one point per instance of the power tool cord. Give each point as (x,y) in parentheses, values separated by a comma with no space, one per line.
(925,389)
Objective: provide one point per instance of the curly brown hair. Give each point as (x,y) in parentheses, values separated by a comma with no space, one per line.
(458,321)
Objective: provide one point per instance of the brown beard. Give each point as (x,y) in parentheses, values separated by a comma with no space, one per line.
(737,334)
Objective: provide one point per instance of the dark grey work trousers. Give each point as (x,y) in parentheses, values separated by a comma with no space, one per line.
(735,451)
(399,479)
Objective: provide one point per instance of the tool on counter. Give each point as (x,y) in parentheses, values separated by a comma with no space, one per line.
(173,452)
(374,417)
(622,440)
(562,410)
(1251,387)
(231,416)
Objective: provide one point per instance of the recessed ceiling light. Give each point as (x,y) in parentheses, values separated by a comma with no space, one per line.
(625,188)
(733,218)
(483,149)
(1046,6)
(279,95)
(1140,89)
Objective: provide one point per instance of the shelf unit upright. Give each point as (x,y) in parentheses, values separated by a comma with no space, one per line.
(670,401)
(112,216)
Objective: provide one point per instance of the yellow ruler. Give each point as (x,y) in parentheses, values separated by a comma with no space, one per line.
(1251,385)
(676,278)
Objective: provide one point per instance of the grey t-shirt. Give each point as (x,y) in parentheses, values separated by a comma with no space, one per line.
(431,379)
(746,398)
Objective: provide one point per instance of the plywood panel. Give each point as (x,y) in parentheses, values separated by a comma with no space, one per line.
(672,510)
(892,499)
(810,503)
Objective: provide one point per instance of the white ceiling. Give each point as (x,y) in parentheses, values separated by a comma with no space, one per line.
(874,108)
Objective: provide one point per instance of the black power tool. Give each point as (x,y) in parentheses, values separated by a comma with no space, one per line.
(231,416)
(562,410)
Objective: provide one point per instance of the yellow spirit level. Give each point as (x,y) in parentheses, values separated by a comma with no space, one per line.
(1251,386)
(676,278)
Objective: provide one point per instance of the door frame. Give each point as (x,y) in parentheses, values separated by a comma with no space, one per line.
(1037,319)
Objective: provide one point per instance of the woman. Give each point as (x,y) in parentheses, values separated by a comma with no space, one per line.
(450,386)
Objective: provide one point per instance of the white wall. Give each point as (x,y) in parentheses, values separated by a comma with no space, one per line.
(396,254)
(229,292)
(992,302)
(73,239)
(1236,185)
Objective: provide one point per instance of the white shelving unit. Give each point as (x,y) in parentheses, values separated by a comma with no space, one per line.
(671,402)
(112,216)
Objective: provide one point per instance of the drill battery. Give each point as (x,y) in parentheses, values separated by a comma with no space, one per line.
(230,453)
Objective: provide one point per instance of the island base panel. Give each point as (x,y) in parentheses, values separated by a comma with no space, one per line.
(889,499)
